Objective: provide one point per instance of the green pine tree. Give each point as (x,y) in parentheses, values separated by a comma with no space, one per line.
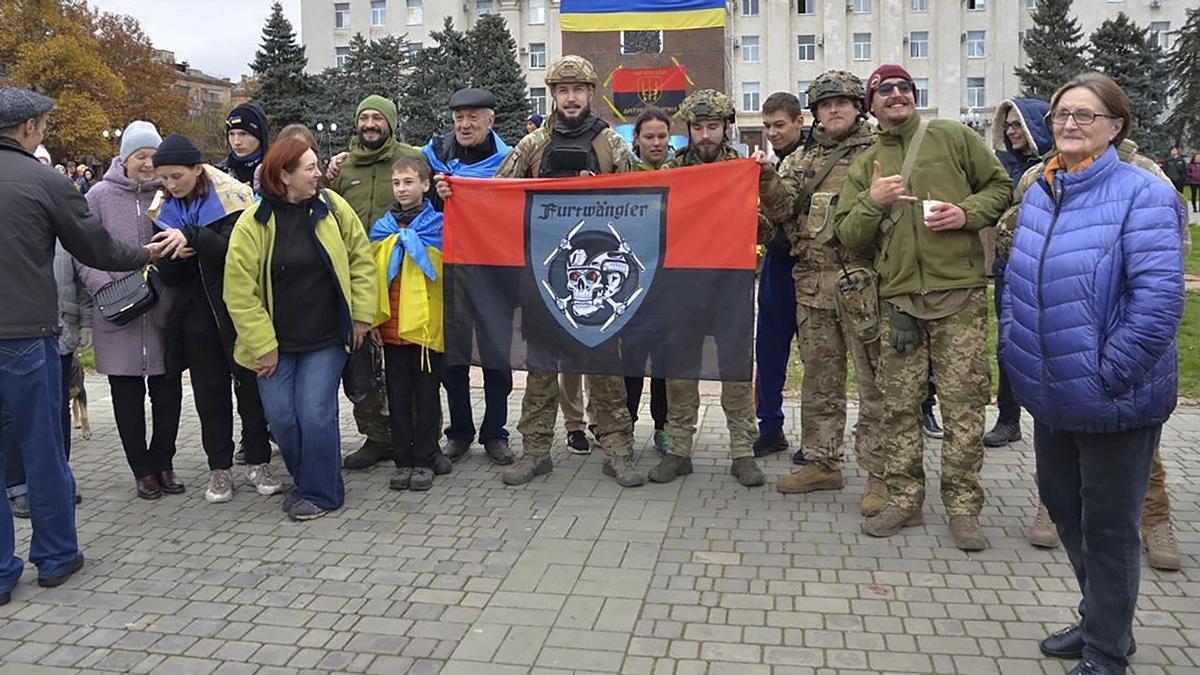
(435,73)
(1054,49)
(494,67)
(1183,124)
(279,64)
(1125,52)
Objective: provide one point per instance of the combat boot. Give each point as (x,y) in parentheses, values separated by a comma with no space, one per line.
(966,533)
(1162,549)
(526,468)
(1042,532)
(746,471)
(890,520)
(623,470)
(670,467)
(874,496)
(811,478)
(367,456)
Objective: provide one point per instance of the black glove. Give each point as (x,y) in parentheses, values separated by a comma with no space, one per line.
(905,334)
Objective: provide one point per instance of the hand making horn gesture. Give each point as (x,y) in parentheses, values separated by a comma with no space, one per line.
(887,190)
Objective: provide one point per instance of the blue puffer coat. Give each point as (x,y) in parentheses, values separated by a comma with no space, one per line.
(1093,298)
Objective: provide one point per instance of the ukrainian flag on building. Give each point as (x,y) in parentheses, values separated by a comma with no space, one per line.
(612,15)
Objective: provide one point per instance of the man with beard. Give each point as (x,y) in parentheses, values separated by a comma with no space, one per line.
(475,150)
(783,125)
(930,266)
(709,116)
(364,179)
(571,142)
(835,290)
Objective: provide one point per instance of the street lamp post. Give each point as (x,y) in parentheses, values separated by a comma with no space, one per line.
(325,136)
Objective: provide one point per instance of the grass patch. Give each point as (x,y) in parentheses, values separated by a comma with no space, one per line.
(1191,264)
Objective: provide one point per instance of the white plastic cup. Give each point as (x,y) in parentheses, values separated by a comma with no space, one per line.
(930,206)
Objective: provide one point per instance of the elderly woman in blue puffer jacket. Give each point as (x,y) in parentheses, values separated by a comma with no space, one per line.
(1094,296)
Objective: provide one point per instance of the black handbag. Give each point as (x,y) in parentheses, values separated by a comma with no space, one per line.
(126,298)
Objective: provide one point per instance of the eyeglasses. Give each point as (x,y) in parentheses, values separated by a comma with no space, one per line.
(1082,117)
(904,87)
(1012,126)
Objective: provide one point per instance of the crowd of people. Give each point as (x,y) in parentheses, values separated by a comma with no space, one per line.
(279,276)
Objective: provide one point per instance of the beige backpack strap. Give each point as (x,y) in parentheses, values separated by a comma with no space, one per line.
(910,160)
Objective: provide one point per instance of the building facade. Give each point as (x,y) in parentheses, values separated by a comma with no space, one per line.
(204,92)
(960,52)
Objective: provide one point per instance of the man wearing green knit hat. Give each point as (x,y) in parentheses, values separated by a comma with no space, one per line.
(364,179)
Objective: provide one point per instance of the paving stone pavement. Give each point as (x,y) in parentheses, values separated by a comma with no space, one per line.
(569,574)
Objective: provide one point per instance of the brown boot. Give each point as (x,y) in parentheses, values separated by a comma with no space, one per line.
(809,479)
(1041,532)
(890,520)
(1162,549)
(966,533)
(874,496)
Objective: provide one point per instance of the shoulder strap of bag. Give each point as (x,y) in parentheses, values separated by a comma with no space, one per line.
(826,168)
(910,159)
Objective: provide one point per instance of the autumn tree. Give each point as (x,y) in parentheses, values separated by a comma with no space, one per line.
(127,51)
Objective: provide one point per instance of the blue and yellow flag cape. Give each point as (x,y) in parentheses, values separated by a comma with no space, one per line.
(612,15)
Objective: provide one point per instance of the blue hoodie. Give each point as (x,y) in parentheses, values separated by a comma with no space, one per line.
(1033,116)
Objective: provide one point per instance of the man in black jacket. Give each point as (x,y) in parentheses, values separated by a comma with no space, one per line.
(40,207)
(1176,169)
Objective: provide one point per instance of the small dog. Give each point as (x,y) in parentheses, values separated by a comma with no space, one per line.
(77,394)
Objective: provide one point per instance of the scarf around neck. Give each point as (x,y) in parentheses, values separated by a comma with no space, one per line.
(485,168)
(225,195)
(423,230)
(243,167)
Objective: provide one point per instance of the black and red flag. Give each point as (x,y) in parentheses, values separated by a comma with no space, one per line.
(635,89)
(647,273)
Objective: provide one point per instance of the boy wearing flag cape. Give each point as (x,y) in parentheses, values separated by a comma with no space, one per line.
(408,257)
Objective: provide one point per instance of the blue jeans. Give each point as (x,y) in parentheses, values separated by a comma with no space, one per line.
(31,391)
(773,340)
(1094,486)
(301,403)
(14,466)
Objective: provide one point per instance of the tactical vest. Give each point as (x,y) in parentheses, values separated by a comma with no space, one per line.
(600,159)
(806,236)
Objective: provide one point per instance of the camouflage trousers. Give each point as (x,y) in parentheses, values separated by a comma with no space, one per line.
(683,412)
(371,416)
(539,414)
(955,352)
(824,340)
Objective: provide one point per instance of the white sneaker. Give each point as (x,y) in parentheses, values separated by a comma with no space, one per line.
(220,487)
(262,476)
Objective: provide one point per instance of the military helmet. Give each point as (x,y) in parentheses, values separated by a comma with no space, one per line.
(707,104)
(835,84)
(571,69)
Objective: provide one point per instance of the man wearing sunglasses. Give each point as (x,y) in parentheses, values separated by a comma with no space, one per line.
(916,201)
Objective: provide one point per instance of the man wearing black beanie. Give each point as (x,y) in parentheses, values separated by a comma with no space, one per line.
(247,132)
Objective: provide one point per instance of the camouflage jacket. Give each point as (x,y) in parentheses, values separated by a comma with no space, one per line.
(1127,151)
(523,161)
(804,216)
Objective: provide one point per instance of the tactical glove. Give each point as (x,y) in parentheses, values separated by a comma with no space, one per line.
(905,334)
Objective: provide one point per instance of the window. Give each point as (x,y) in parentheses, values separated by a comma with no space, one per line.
(414,47)
(975,44)
(802,91)
(537,12)
(537,97)
(416,13)
(1030,4)
(920,5)
(1160,33)
(976,97)
(641,42)
(749,49)
(862,46)
(918,44)
(861,6)
(749,7)
(341,55)
(807,45)
(977,5)
(537,55)
(922,93)
(483,7)
(341,15)
(378,12)
(750,96)
(806,6)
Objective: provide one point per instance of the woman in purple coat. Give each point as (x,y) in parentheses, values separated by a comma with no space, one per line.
(133,356)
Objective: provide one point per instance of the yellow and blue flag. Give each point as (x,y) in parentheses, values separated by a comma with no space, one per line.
(612,15)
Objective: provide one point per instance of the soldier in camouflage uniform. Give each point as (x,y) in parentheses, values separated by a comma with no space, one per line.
(931,278)
(1158,536)
(836,292)
(709,115)
(572,82)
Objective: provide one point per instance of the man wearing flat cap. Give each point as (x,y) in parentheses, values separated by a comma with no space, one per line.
(475,150)
(39,208)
